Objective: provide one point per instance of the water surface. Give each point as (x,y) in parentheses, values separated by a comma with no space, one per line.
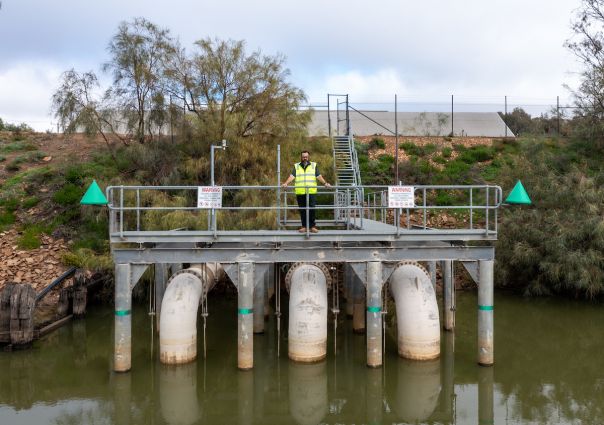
(549,369)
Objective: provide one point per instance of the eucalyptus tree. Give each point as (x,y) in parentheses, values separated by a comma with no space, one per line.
(587,43)
(235,94)
(138,52)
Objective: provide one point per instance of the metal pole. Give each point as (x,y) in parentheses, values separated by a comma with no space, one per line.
(452,131)
(448,290)
(122,357)
(278,185)
(374,313)
(395,139)
(328,116)
(485,313)
(347,117)
(245,317)
(558,112)
(505,125)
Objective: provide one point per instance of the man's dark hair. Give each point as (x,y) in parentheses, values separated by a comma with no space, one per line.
(304,152)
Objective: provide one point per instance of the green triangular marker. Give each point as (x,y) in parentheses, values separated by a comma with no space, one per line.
(94,195)
(518,195)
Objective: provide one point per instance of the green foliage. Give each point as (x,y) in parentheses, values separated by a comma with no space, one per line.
(68,195)
(479,153)
(87,259)
(2,158)
(6,218)
(377,143)
(557,245)
(446,152)
(19,145)
(30,237)
(30,202)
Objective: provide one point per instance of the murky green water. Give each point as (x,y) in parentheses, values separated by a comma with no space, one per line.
(549,370)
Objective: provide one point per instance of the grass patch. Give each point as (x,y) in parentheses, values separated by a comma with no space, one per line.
(30,202)
(447,152)
(68,195)
(2,158)
(30,237)
(6,218)
(377,142)
(18,145)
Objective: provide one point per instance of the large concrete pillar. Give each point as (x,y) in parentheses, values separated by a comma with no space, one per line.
(358,311)
(486,414)
(374,314)
(122,357)
(448,288)
(260,296)
(485,313)
(245,320)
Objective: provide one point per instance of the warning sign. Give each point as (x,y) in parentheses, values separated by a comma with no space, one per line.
(401,197)
(209,197)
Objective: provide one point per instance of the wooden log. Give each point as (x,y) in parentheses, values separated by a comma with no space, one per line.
(63,303)
(5,313)
(23,302)
(80,290)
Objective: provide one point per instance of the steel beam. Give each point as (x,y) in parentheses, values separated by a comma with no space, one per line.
(303,254)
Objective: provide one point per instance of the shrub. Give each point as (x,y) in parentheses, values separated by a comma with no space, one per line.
(30,202)
(446,152)
(30,237)
(69,194)
(377,142)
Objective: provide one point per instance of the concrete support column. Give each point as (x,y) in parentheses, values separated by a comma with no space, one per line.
(432,271)
(161,277)
(259,300)
(448,289)
(122,356)
(349,289)
(374,314)
(358,311)
(245,319)
(485,313)
(269,278)
(486,411)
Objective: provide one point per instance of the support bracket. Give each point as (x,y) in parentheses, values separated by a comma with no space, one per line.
(472,268)
(360,269)
(136,272)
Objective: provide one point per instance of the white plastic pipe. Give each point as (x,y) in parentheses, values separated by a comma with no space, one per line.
(307,314)
(416,312)
(178,317)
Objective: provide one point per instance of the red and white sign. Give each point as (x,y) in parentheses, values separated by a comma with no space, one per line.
(209,197)
(401,197)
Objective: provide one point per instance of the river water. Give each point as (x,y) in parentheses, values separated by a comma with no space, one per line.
(549,369)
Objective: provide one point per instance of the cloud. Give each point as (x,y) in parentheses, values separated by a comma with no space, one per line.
(27,88)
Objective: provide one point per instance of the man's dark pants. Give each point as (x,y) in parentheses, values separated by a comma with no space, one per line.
(312,202)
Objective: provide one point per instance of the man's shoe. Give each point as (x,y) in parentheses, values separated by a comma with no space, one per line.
(314,230)
(302,230)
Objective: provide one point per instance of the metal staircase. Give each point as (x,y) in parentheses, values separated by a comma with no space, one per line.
(346,166)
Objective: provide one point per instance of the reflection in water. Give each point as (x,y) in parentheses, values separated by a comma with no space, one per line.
(178,393)
(122,397)
(308,392)
(67,377)
(486,415)
(417,389)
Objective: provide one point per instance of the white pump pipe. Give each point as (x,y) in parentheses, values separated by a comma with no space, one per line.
(416,312)
(178,317)
(307,313)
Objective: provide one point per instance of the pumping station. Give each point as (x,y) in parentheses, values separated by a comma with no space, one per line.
(376,246)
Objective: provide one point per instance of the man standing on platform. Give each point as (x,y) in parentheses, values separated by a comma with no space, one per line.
(306,174)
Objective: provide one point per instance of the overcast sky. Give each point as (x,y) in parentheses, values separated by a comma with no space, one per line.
(479,50)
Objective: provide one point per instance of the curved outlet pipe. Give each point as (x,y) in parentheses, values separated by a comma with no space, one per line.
(307,337)
(178,314)
(416,312)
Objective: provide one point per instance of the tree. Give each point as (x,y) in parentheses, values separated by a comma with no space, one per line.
(78,108)
(587,44)
(234,94)
(138,51)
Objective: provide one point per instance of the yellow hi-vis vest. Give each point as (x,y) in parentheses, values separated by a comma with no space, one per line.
(306,179)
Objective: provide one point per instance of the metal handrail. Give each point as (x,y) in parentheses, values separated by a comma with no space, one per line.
(354,212)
